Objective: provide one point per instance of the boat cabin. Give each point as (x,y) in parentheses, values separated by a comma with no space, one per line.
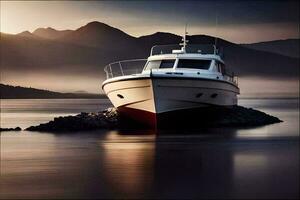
(195,61)
(191,62)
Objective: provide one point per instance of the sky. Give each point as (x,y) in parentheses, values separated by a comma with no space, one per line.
(243,21)
(237,21)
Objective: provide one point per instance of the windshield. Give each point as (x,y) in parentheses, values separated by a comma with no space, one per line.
(194,64)
(160,64)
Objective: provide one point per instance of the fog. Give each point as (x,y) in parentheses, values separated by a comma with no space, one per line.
(91,83)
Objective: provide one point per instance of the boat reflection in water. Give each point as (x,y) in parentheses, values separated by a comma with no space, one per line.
(117,165)
(128,162)
(160,166)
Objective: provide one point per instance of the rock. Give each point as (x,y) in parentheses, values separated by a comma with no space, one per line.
(80,122)
(235,116)
(10,129)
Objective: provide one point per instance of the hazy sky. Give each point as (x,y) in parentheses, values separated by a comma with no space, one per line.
(238,21)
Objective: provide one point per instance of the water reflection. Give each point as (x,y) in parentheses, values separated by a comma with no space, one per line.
(268,170)
(128,162)
(116,165)
(261,162)
(177,167)
(192,168)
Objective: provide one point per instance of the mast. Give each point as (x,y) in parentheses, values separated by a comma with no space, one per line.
(216,39)
(184,40)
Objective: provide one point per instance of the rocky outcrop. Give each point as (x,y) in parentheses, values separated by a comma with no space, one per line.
(235,116)
(83,121)
(10,129)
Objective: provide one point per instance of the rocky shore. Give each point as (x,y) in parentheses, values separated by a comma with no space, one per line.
(10,129)
(236,116)
(108,118)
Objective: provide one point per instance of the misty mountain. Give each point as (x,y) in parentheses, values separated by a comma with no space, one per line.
(288,47)
(96,34)
(50,33)
(91,47)
(26,34)
(29,54)
(159,38)
(17,92)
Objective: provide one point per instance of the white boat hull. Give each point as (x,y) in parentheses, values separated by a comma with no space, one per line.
(145,98)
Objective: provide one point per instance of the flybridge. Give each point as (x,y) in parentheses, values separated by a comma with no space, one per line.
(161,52)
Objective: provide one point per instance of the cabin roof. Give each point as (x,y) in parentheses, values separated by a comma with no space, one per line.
(195,56)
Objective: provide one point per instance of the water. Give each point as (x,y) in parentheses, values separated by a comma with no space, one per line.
(261,162)
(28,112)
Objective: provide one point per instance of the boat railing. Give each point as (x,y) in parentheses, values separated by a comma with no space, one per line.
(124,67)
(190,48)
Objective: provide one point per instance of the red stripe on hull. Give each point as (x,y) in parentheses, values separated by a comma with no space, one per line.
(186,118)
(144,117)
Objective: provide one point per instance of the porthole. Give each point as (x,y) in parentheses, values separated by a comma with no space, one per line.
(120,96)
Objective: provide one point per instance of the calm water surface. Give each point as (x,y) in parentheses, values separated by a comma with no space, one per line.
(261,162)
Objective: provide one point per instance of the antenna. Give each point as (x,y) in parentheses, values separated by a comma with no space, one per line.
(216,39)
(184,40)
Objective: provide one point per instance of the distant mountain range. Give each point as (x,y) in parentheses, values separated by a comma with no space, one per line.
(50,33)
(88,49)
(288,47)
(17,92)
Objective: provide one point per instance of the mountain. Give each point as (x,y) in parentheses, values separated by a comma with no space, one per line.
(26,34)
(17,92)
(288,47)
(82,54)
(50,33)
(159,38)
(97,34)
(29,54)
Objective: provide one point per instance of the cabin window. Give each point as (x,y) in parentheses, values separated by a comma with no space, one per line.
(221,67)
(153,64)
(166,64)
(160,64)
(194,64)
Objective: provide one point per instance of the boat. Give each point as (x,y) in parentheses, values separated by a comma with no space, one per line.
(172,80)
